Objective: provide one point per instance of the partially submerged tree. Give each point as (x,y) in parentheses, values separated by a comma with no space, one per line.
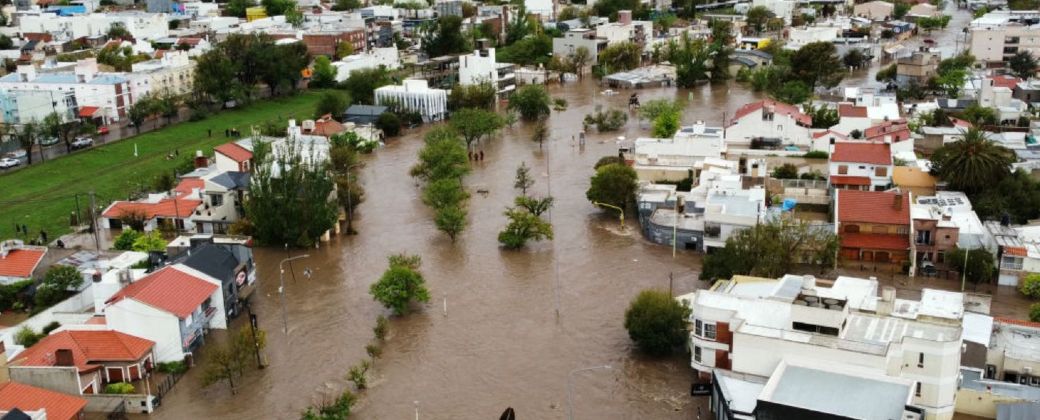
(656,322)
(474,124)
(613,184)
(772,249)
(401,284)
(523,226)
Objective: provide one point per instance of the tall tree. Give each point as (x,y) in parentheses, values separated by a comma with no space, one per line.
(656,322)
(324,73)
(445,36)
(363,83)
(333,103)
(757,17)
(772,249)
(621,56)
(523,226)
(56,126)
(519,27)
(972,163)
(523,179)
(290,195)
(237,8)
(816,64)
(473,124)
(216,79)
(401,284)
(1023,64)
(531,101)
(613,184)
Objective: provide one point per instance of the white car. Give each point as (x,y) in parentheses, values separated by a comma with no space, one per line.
(6,163)
(82,142)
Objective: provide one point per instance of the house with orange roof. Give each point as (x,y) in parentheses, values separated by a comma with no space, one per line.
(176,207)
(859,165)
(83,362)
(873,225)
(173,307)
(233,156)
(852,118)
(778,122)
(39,403)
(18,261)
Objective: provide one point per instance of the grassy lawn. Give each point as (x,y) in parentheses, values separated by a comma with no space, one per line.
(42,196)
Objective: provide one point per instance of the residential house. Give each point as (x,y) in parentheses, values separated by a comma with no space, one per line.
(81,362)
(997,42)
(996,93)
(896,133)
(874,10)
(937,227)
(917,69)
(873,226)
(578,38)
(415,95)
(104,96)
(751,325)
(932,138)
(363,114)
(913,179)
(1012,253)
(324,42)
(481,67)
(769,121)
(852,118)
(1012,355)
(674,159)
(229,262)
(176,207)
(18,261)
(625,29)
(1027,91)
(174,307)
(232,157)
(902,30)
(783,9)
(799,37)
(223,195)
(387,58)
(38,403)
(323,126)
(172,74)
(860,165)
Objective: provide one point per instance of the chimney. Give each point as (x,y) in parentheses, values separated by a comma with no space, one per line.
(624,17)
(887,302)
(897,201)
(200,160)
(63,357)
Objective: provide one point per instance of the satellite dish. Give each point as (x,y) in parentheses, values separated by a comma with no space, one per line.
(509,414)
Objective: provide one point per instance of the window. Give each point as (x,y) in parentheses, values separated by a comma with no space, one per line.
(917,390)
(920,360)
(881,171)
(697,329)
(216,200)
(696,354)
(843,169)
(940,257)
(709,331)
(924,237)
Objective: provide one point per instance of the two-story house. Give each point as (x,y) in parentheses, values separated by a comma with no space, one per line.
(176,207)
(857,165)
(223,196)
(873,226)
(174,307)
(769,120)
(81,362)
(233,157)
(229,262)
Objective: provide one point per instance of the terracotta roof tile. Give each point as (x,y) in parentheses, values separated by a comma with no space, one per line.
(178,207)
(873,207)
(89,347)
(1020,322)
(852,111)
(862,152)
(778,108)
(30,398)
(849,180)
(1016,251)
(234,152)
(875,241)
(170,290)
(20,262)
(1009,82)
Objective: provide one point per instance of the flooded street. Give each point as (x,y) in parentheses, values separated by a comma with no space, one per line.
(500,342)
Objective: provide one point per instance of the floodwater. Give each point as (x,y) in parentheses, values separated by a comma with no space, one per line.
(490,338)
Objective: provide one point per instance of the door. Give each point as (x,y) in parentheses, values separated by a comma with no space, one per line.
(868,256)
(135,373)
(115,375)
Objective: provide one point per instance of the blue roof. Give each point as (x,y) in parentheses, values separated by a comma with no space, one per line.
(66,78)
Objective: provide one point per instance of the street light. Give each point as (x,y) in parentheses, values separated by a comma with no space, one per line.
(570,391)
(619,209)
(281,287)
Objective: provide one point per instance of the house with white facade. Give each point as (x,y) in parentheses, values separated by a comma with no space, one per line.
(106,96)
(770,121)
(574,39)
(798,37)
(174,307)
(674,159)
(171,74)
(751,325)
(625,29)
(415,95)
(860,165)
(481,67)
(387,58)
(176,207)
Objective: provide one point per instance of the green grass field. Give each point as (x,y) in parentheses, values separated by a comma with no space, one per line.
(43,195)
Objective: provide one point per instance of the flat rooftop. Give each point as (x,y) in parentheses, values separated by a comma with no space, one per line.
(828,391)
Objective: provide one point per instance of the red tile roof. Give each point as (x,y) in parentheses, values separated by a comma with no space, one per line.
(1020,322)
(1009,82)
(234,152)
(89,348)
(30,398)
(778,108)
(875,241)
(87,111)
(897,130)
(326,126)
(20,262)
(176,207)
(873,207)
(849,180)
(874,153)
(169,289)
(852,111)
(1016,251)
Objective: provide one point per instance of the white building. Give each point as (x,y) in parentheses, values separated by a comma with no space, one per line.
(674,159)
(799,37)
(995,40)
(769,119)
(481,67)
(752,325)
(861,165)
(626,29)
(387,58)
(173,307)
(172,74)
(574,39)
(19,107)
(66,28)
(98,95)
(415,95)
(783,9)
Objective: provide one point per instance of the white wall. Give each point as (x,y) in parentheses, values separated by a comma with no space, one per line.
(135,318)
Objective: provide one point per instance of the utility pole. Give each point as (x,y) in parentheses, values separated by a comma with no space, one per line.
(93,221)
(556,258)
(252,325)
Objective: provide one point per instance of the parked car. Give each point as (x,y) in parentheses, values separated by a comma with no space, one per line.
(17,154)
(82,142)
(928,269)
(102,130)
(48,141)
(7,162)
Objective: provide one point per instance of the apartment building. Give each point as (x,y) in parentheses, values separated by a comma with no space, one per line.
(751,326)
(574,39)
(481,67)
(998,43)
(625,29)
(171,74)
(105,96)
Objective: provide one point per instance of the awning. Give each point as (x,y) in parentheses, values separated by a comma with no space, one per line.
(87,111)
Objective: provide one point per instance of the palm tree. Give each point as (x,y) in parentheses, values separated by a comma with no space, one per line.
(973,163)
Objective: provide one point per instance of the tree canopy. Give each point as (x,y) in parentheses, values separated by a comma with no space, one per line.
(656,322)
(473,124)
(445,36)
(972,163)
(531,101)
(401,284)
(613,184)
(771,249)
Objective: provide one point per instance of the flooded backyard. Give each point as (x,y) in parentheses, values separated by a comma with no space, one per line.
(499,343)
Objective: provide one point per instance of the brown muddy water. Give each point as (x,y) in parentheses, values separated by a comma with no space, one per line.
(499,343)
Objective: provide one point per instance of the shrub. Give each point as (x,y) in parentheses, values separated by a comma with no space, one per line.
(172,368)
(125,240)
(358,374)
(27,337)
(119,388)
(381,328)
(9,294)
(389,123)
(1031,286)
(47,329)
(609,120)
(374,351)
(607,160)
(656,322)
(338,409)
(1034,312)
(816,154)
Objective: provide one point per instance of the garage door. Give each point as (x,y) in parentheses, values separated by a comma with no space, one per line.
(1007,280)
